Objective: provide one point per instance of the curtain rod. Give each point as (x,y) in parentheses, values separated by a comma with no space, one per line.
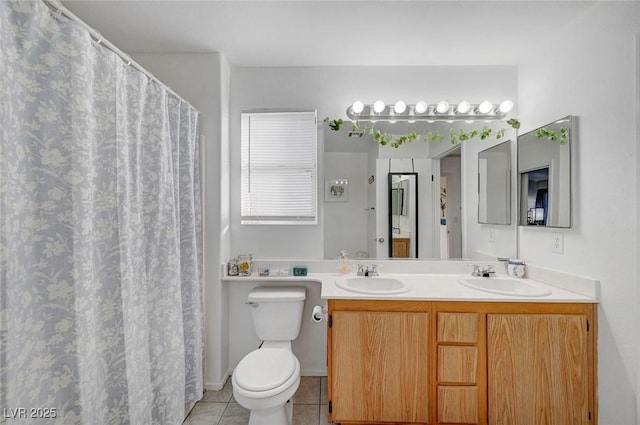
(59,9)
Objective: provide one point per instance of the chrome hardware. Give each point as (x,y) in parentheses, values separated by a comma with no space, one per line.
(483,271)
(252,304)
(364,270)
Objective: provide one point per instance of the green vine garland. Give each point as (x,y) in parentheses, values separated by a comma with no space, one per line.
(561,136)
(385,139)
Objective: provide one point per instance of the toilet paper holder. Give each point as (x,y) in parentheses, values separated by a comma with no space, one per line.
(319,313)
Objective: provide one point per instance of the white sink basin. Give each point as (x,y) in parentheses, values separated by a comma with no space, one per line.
(375,285)
(505,286)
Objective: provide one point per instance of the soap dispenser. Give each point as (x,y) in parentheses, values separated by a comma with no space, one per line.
(343,263)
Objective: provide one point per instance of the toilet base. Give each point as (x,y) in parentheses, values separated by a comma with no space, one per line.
(280,415)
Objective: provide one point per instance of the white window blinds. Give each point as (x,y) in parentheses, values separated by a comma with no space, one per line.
(279,156)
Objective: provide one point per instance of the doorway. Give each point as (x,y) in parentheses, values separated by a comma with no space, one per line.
(450,220)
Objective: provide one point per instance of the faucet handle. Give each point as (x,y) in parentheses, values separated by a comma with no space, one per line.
(361,270)
(373,271)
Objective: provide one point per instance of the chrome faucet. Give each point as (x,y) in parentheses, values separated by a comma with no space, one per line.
(483,271)
(364,270)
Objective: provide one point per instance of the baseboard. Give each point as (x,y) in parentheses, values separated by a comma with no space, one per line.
(217,386)
(313,372)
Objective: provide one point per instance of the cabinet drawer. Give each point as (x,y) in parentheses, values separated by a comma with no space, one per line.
(458,327)
(458,405)
(457,364)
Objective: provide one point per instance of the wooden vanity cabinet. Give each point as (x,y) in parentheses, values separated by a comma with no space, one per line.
(459,375)
(378,362)
(431,362)
(537,367)
(401,247)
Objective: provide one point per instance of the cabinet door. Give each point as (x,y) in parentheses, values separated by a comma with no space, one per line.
(400,247)
(380,367)
(537,369)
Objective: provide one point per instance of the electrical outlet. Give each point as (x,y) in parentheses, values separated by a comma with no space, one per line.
(558,243)
(492,235)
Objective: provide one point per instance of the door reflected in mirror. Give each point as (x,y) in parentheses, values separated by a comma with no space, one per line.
(544,169)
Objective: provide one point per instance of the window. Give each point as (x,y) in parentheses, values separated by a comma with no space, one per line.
(279,156)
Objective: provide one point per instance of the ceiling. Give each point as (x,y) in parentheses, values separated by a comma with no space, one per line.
(330,33)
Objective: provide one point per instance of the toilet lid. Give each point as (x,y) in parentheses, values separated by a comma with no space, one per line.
(265,369)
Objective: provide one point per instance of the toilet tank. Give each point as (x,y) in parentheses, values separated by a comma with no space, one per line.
(277,312)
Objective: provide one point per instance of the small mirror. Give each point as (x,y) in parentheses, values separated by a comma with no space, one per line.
(403,215)
(494,185)
(544,169)
(397,201)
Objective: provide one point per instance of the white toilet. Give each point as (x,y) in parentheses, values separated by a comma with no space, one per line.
(265,379)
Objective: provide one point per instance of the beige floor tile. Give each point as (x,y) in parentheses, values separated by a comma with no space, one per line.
(205,413)
(324,415)
(306,414)
(309,391)
(323,390)
(235,415)
(222,396)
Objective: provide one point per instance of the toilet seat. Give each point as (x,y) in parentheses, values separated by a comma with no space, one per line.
(265,370)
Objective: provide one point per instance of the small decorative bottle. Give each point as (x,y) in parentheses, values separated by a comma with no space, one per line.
(515,268)
(343,263)
(232,267)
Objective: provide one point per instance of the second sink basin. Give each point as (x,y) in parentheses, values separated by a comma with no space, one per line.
(373,285)
(505,286)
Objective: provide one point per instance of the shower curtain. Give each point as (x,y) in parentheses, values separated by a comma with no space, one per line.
(101,317)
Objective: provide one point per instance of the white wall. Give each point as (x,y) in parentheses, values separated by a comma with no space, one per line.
(203,80)
(346,222)
(591,70)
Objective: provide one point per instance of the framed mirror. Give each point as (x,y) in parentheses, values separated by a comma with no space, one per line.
(544,175)
(361,225)
(494,184)
(403,215)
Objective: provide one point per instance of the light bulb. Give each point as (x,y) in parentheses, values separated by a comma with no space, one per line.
(400,107)
(357,107)
(485,107)
(378,106)
(463,107)
(421,107)
(506,106)
(442,107)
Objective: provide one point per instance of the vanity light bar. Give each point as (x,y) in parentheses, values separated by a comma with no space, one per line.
(421,111)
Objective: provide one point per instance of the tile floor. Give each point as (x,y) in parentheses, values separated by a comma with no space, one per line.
(219,407)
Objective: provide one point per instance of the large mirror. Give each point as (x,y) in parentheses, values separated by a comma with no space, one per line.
(494,184)
(544,170)
(403,215)
(444,178)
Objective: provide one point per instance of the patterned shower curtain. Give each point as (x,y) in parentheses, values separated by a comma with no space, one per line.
(101,317)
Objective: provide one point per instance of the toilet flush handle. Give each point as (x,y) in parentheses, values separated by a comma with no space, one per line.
(252,304)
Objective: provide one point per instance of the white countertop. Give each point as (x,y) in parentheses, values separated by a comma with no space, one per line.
(439,287)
